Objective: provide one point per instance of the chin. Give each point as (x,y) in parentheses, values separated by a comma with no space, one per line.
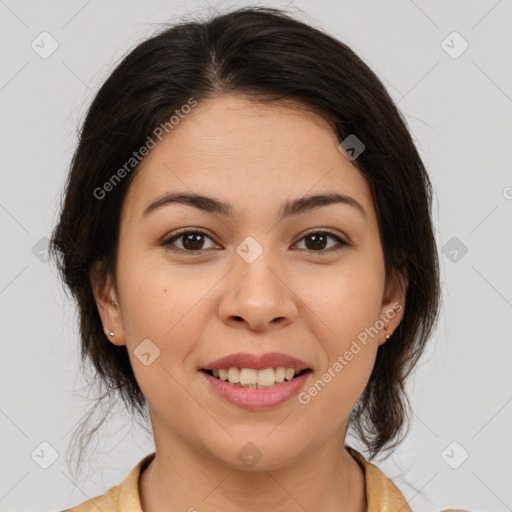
(257,452)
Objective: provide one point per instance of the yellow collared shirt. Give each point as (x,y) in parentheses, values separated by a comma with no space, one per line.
(381,493)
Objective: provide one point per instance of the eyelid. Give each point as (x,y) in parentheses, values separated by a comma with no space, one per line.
(327,231)
(176,235)
(341,239)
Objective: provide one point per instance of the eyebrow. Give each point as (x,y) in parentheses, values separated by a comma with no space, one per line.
(290,208)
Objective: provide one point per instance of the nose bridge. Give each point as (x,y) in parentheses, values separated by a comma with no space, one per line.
(256,293)
(255,276)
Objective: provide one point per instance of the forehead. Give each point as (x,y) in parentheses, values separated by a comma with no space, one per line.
(259,153)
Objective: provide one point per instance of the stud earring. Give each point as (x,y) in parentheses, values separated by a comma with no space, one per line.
(109,332)
(387,336)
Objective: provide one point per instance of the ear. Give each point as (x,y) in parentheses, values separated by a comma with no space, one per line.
(393,305)
(107,303)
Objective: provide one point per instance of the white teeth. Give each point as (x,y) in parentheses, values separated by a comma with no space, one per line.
(266,377)
(252,378)
(280,373)
(234,375)
(289,373)
(248,376)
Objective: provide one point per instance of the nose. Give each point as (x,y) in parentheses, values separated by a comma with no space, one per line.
(256,296)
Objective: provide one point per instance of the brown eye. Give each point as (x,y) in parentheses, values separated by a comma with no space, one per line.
(317,241)
(194,241)
(191,241)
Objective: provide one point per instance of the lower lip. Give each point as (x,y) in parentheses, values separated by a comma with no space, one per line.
(257,399)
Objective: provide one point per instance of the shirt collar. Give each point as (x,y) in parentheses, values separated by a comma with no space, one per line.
(381,494)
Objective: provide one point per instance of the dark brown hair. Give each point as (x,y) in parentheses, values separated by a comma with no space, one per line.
(268,55)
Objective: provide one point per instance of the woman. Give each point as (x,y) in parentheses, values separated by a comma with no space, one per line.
(247,232)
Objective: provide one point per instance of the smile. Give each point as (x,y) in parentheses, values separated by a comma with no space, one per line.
(253,397)
(256,379)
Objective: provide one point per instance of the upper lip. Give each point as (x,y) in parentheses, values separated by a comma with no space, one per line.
(257,361)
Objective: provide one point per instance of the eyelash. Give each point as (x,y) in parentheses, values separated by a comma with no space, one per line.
(168,243)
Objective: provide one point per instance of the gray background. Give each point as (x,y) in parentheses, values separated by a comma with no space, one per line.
(459,108)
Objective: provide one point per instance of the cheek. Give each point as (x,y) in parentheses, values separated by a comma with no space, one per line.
(349,347)
(166,304)
(346,300)
(157,295)
(346,305)
(161,313)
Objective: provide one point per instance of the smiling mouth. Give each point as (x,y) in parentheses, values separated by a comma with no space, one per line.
(256,379)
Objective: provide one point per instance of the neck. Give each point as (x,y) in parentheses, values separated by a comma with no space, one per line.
(180,478)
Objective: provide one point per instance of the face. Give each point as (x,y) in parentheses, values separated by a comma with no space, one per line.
(251,276)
